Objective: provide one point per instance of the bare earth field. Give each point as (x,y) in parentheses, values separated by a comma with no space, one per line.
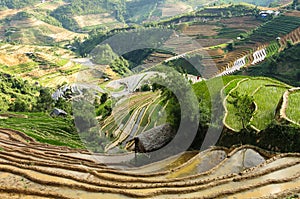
(244,23)
(205,30)
(172,9)
(95,19)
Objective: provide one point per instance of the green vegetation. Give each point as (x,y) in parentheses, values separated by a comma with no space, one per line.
(65,13)
(254,2)
(17,94)
(43,128)
(292,111)
(283,66)
(15,4)
(277,27)
(243,104)
(21,68)
(104,107)
(265,109)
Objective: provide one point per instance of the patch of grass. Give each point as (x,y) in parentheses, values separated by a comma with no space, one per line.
(251,87)
(21,68)
(265,113)
(43,128)
(293,111)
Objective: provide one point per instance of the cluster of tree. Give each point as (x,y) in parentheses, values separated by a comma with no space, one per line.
(103,106)
(84,109)
(104,55)
(16,4)
(178,94)
(276,137)
(20,95)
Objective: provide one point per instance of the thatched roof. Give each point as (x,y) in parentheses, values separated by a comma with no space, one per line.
(58,112)
(154,138)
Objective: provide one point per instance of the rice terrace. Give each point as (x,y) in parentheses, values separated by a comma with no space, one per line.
(150,99)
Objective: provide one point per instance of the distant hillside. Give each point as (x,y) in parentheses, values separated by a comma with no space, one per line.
(284,67)
(256,2)
(15,4)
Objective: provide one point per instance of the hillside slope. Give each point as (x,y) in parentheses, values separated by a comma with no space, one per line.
(284,67)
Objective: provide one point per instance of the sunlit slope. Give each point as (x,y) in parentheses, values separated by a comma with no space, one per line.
(50,66)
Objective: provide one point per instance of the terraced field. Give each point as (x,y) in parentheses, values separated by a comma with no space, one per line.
(42,128)
(292,112)
(265,110)
(131,116)
(280,26)
(35,31)
(30,169)
(289,108)
(49,65)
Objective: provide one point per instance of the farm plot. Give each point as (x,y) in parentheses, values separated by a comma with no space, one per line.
(203,30)
(252,87)
(266,100)
(104,19)
(133,116)
(245,23)
(170,9)
(292,110)
(278,27)
(44,129)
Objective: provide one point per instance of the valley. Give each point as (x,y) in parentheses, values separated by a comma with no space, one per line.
(149,99)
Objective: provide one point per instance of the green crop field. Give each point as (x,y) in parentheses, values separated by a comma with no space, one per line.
(265,107)
(43,128)
(266,100)
(293,111)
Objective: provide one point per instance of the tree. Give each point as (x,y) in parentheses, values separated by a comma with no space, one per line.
(295,4)
(229,13)
(44,101)
(289,44)
(63,104)
(103,98)
(20,106)
(243,104)
(230,46)
(145,88)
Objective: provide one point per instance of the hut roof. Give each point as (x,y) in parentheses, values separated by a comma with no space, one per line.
(155,138)
(58,112)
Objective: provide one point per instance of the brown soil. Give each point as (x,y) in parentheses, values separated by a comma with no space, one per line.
(205,30)
(13,59)
(94,19)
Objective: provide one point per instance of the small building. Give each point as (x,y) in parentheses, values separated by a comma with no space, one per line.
(266,13)
(58,112)
(153,139)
